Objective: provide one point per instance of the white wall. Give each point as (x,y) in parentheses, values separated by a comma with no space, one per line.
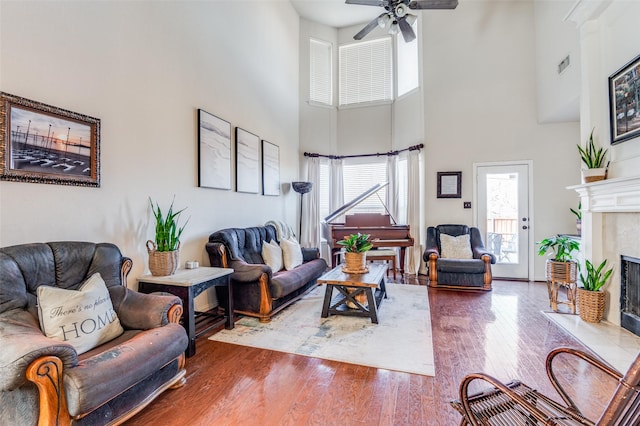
(609,42)
(480,106)
(144,68)
(558,94)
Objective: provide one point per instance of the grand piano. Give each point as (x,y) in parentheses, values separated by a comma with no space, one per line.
(383,232)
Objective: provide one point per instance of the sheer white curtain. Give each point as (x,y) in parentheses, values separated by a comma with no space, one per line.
(392,189)
(310,216)
(336,185)
(413,211)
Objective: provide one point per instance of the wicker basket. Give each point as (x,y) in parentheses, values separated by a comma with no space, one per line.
(563,272)
(355,263)
(162,263)
(591,305)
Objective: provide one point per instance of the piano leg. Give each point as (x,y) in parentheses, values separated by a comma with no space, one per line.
(402,261)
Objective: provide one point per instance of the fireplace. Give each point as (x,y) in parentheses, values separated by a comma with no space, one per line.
(630,294)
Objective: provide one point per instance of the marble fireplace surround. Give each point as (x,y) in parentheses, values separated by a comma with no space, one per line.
(610,228)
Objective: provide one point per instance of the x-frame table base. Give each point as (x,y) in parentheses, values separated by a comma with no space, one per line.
(372,284)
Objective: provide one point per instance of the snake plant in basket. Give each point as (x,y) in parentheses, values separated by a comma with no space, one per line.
(164,252)
(591,298)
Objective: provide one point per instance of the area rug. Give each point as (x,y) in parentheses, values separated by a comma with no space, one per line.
(401,341)
(610,342)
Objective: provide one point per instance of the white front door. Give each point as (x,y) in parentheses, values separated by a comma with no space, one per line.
(502,215)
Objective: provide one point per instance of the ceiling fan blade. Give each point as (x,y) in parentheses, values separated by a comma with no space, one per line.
(365,2)
(368,28)
(433,4)
(407,31)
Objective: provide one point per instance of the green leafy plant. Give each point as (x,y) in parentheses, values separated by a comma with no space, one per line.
(593,158)
(595,278)
(578,212)
(356,243)
(167,231)
(560,247)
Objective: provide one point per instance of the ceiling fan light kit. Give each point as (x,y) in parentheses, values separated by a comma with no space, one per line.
(397,13)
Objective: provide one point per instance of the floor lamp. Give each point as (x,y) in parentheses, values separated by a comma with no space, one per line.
(301,188)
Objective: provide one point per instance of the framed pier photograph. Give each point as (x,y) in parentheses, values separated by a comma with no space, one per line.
(45,144)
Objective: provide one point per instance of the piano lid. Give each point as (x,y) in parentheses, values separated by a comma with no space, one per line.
(351,204)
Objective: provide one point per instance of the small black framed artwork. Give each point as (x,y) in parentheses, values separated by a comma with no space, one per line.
(624,102)
(45,144)
(270,168)
(214,151)
(449,184)
(247,162)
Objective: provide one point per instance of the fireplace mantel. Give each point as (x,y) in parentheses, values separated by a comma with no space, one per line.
(619,195)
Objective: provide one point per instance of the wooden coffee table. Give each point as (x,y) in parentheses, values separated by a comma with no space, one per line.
(351,285)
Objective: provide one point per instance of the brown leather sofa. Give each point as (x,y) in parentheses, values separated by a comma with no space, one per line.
(257,290)
(44,381)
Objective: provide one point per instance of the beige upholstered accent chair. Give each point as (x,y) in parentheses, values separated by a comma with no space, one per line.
(45,381)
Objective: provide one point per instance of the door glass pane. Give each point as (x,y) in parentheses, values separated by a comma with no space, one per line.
(502,216)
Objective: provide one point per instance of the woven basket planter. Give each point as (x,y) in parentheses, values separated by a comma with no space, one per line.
(564,272)
(355,263)
(162,263)
(594,175)
(591,305)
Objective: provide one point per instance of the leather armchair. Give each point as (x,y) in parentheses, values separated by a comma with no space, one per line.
(462,274)
(44,381)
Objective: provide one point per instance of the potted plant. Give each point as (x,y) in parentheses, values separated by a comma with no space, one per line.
(356,246)
(578,214)
(594,159)
(164,252)
(591,297)
(561,269)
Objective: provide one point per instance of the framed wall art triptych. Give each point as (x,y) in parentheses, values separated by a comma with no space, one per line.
(214,151)
(247,162)
(270,168)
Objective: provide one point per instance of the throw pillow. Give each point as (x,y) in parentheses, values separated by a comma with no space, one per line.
(456,247)
(84,318)
(272,255)
(291,253)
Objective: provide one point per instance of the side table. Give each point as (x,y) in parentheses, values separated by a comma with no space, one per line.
(187,284)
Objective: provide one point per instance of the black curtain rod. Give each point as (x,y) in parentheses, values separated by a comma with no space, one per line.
(378,154)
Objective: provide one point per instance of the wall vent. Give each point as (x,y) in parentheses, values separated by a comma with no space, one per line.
(564,64)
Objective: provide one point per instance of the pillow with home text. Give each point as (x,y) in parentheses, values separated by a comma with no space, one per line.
(83,318)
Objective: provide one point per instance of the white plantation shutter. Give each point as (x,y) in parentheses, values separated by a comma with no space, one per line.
(365,72)
(358,177)
(407,57)
(320,81)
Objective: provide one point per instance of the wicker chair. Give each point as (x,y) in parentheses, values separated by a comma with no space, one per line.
(515,403)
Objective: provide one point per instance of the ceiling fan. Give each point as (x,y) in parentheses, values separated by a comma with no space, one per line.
(397,17)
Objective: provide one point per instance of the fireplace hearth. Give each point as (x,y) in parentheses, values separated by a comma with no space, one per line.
(630,294)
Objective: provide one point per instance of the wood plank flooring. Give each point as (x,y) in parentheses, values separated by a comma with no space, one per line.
(502,333)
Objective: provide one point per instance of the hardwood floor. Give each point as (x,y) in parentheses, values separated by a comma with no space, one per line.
(502,333)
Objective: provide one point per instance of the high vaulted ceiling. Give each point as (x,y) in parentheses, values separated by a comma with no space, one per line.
(335,13)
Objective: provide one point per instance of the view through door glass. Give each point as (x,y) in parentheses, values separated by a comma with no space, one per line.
(503,218)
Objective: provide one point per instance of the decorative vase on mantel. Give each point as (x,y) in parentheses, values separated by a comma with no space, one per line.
(593,175)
